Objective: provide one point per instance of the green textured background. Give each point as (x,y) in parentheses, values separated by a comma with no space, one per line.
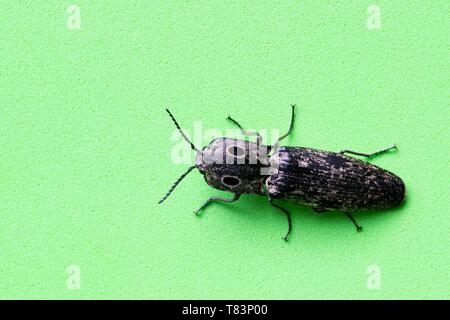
(86,146)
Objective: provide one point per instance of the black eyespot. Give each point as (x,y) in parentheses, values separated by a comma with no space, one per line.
(230,181)
(236,151)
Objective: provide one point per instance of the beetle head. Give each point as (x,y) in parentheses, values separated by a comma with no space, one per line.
(228,164)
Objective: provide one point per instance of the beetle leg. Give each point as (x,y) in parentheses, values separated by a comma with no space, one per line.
(288,216)
(245,132)
(369,155)
(219,199)
(291,126)
(358,227)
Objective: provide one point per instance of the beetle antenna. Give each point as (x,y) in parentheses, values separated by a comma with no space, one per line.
(175,184)
(181,131)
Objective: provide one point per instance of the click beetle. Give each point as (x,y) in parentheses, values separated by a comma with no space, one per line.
(322,180)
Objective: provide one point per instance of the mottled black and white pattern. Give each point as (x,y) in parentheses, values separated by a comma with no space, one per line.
(325,181)
(332,181)
(225,159)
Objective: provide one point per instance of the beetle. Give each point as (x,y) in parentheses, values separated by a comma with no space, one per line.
(322,180)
